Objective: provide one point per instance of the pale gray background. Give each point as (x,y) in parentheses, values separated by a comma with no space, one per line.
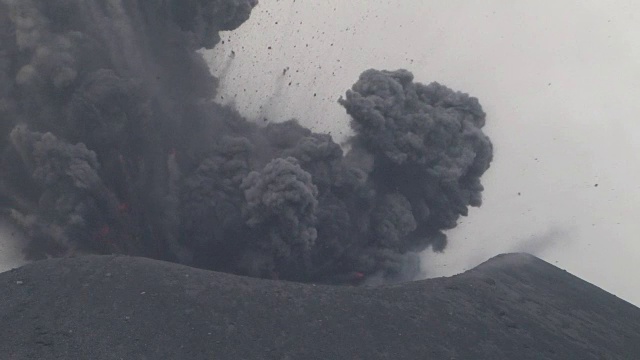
(559,81)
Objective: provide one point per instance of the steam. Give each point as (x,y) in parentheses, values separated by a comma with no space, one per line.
(111,143)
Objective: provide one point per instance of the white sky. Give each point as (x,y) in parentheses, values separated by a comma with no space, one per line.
(560,81)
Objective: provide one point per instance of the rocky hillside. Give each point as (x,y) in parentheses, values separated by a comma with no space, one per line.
(513,306)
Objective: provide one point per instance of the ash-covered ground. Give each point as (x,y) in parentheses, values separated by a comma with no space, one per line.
(514,306)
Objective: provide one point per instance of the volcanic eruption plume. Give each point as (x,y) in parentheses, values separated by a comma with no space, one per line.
(111,143)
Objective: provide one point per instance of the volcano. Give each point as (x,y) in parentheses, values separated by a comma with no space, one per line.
(514,306)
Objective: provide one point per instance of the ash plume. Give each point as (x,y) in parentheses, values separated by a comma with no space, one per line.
(111,143)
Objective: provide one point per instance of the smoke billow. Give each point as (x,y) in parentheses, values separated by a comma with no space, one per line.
(111,143)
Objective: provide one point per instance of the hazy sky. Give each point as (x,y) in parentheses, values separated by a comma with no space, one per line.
(559,80)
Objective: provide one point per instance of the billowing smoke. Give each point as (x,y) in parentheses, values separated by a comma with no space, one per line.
(111,143)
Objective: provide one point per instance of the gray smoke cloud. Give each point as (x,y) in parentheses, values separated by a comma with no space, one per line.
(281,202)
(427,142)
(110,143)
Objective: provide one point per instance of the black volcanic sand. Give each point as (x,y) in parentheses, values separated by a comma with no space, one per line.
(115,307)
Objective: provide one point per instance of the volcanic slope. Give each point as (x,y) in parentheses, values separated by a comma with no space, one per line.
(513,306)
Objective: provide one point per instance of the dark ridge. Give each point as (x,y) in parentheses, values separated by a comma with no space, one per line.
(513,306)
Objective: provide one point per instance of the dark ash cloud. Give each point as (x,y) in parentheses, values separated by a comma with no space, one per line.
(110,143)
